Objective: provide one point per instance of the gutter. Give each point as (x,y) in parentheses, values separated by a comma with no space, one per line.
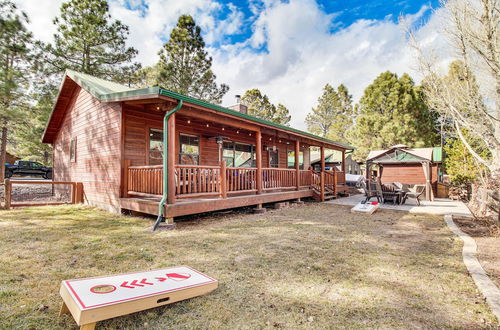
(165,164)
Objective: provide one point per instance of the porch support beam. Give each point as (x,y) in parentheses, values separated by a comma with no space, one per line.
(322,174)
(258,161)
(171,160)
(297,166)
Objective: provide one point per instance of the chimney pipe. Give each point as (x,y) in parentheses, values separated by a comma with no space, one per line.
(238,98)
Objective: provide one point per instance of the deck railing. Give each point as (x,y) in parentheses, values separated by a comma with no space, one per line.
(241,179)
(198,180)
(278,178)
(145,180)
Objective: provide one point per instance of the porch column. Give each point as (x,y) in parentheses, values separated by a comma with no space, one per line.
(322,174)
(171,160)
(258,161)
(343,161)
(297,167)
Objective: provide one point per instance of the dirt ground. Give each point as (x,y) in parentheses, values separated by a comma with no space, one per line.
(314,266)
(487,236)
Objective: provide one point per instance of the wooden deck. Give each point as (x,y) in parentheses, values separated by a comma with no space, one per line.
(208,204)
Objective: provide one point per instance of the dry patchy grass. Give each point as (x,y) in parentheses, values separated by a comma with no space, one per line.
(313,266)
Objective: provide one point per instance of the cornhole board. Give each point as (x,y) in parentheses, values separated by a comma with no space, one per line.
(94,299)
(367,208)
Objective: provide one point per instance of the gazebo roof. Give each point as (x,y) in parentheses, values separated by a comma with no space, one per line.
(403,154)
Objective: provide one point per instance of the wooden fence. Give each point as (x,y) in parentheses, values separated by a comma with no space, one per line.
(76,196)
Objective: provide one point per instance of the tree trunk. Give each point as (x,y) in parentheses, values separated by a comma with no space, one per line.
(3,151)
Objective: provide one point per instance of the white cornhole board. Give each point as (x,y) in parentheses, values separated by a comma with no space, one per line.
(367,208)
(94,299)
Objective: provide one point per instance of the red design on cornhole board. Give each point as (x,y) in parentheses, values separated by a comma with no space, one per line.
(133,285)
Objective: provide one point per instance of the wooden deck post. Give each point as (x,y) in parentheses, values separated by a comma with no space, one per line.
(126,165)
(297,165)
(171,160)
(8,194)
(223,184)
(258,161)
(322,174)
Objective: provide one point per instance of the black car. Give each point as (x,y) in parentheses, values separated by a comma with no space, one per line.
(28,168)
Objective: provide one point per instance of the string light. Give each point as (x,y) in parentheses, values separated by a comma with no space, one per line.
(208,125)
(249,134)
(270,139)
(223,128)
(237,132)
(279,141)
(157,108)
(189,121)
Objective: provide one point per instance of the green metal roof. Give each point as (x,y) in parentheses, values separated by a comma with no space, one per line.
(437,154)
(107,91)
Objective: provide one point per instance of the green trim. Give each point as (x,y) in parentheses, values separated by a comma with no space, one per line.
(108,91)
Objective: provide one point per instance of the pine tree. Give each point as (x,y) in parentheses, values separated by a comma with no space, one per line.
(333,115)
(89,41)
(459,163)
(15,57)
(29,131)
(185,66)
(259,106)
(392,111)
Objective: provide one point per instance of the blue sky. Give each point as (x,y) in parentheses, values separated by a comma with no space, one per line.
(288,49)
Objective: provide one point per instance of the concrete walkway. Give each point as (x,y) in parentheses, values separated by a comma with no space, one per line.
(440,206)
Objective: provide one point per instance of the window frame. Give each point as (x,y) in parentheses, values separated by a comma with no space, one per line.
(180,154)
(253,153)
(301,166)
(148,145)
(277,152)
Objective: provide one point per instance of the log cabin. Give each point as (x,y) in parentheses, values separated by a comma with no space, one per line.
(110,138)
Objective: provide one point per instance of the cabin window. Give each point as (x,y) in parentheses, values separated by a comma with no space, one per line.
(72,150)
(189,149)
(238,154)
(155,146)
(273,158)
(290,155)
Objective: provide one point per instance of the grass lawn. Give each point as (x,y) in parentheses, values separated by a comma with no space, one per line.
(315,266)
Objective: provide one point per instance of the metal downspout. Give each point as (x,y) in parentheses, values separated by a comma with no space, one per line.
(165,164)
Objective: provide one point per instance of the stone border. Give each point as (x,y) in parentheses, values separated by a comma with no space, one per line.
(483,282)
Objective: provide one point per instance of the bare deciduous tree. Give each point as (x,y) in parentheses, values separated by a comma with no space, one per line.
(469,96)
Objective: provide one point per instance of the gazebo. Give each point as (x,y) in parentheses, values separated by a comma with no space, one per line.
(401,163)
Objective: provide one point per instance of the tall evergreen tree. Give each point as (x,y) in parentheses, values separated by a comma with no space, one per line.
(259,106)
(89,41)
(333,115)
(15,56)
(392,111)
(28,132)
(185,66)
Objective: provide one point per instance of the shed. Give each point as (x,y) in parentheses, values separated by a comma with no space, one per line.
(401,163)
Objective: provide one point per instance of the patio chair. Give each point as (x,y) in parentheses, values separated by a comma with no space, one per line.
(389,192)
(416,193)
(369,193)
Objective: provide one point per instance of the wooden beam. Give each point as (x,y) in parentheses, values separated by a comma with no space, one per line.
(223,185)
(258,161)
(297,165)
(171,160)
(322,174)
(219,118)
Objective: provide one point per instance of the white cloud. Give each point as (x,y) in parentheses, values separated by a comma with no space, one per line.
(302,54)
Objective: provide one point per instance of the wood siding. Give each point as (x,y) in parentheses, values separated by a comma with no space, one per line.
(408,173)
(96,128)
